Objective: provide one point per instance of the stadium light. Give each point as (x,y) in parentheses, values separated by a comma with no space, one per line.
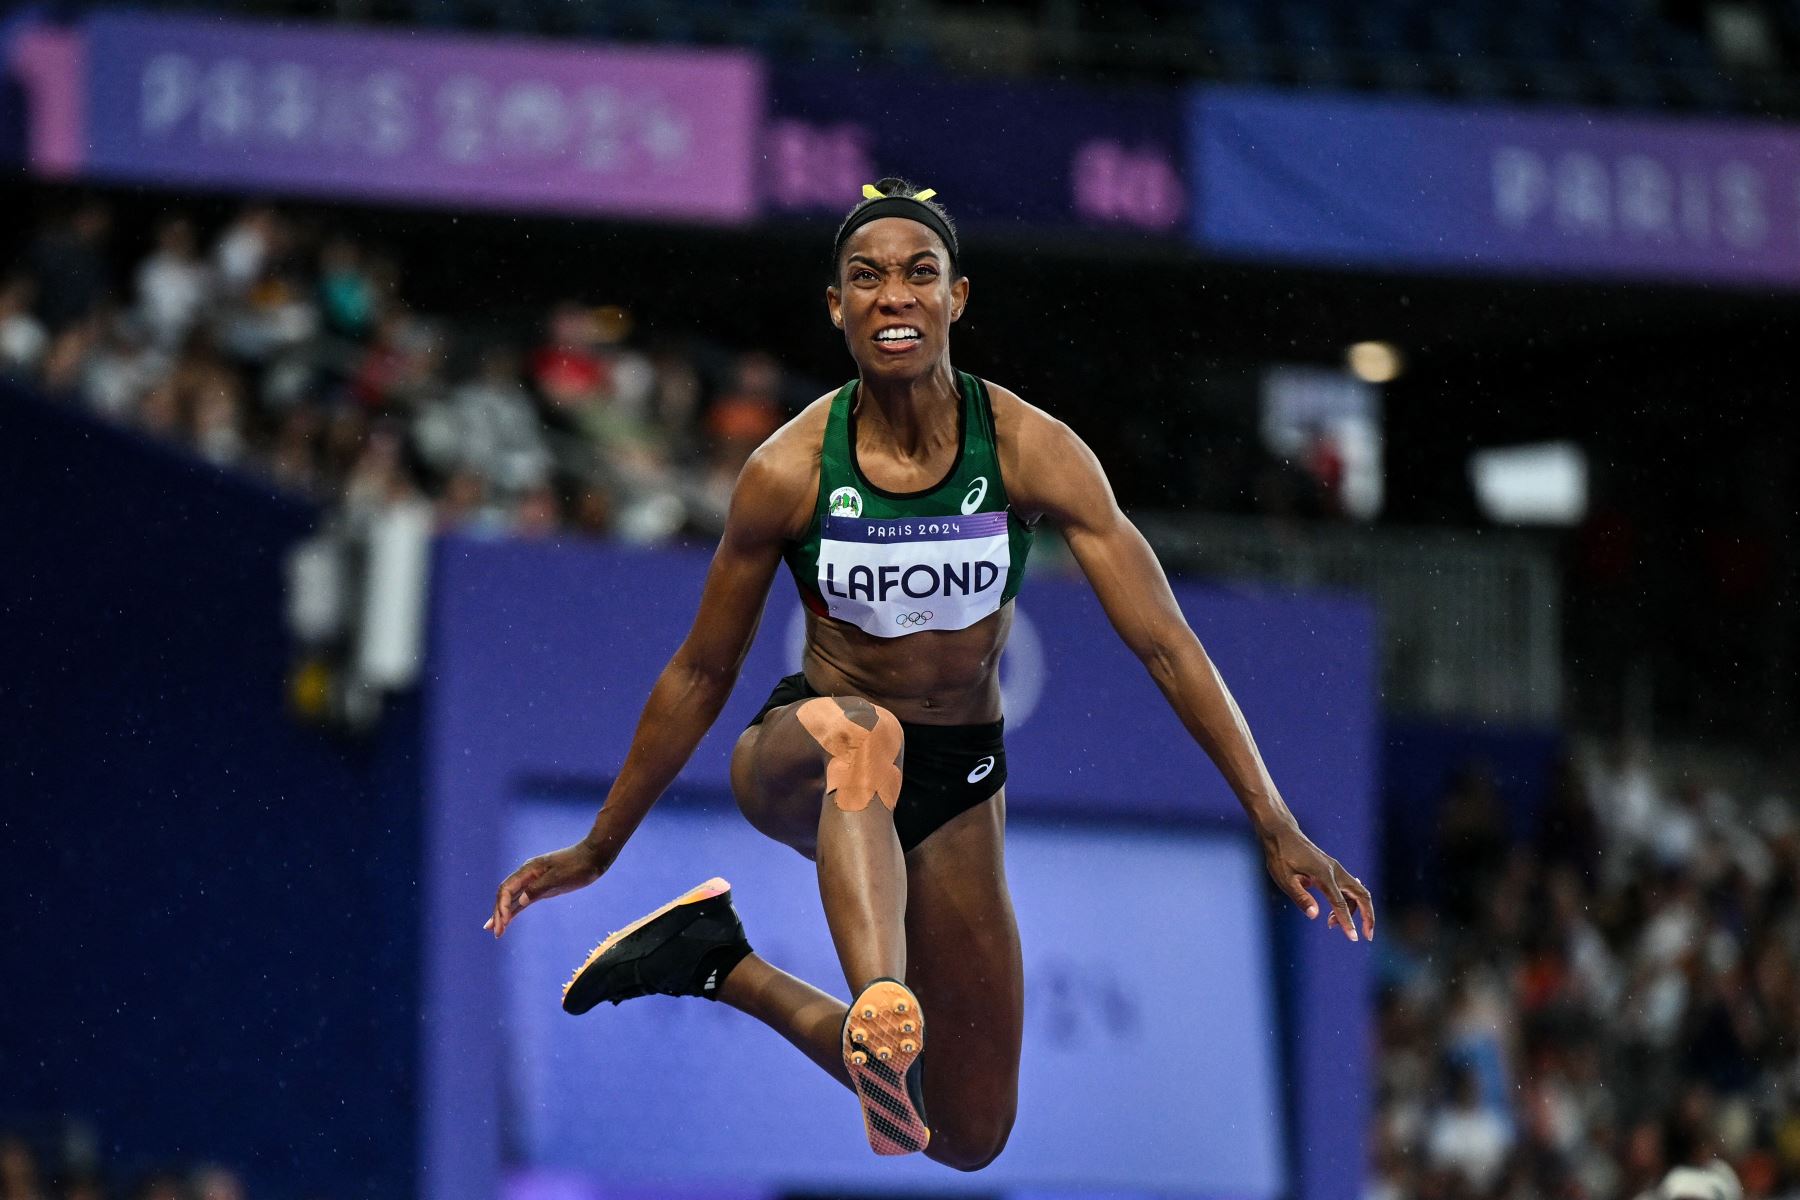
(1374,362)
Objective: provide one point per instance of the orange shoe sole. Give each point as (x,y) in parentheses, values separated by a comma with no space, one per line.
(706,891)
(884,1036)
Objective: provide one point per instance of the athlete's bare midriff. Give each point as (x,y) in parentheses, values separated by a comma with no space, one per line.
(941,677)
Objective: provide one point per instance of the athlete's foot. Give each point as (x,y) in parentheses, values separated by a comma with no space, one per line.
(884,1044)
(684,948)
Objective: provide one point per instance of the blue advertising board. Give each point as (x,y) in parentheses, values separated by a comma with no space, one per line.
(1046,155)
(1115,1034)
(1353,181)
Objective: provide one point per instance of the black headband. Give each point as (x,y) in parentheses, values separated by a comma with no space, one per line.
(897,206)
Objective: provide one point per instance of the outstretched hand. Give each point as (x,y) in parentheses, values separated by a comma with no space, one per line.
(567,870)
(1297,866)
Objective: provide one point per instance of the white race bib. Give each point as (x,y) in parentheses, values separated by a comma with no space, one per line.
(902,575)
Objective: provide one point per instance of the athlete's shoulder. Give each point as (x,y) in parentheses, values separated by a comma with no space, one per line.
(1023,429)
(1037,452)
(797,444)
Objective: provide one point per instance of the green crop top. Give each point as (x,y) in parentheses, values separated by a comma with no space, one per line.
(895,563)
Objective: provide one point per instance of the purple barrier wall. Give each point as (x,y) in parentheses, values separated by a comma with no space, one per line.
(427,119)
(542,656)
(1353,181)
(213,950)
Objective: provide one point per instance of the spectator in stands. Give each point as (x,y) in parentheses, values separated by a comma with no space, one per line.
(174,285)
(19,1176)
(1471,842)
(267,308)
(398,374)
(568,369)
(674,403)
(537,514)
(1569,830)
(213,1182)
(488,425)
(381,475)
(23,338)
(68,260)
(465,506)
(161,1185)
(348,292)
(117,366)
(294,459)
(738,422)
(1468,1137)
(83,1185)
(218,422)
(246,248)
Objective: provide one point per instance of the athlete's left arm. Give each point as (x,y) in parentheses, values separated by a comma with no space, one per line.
(1058,476)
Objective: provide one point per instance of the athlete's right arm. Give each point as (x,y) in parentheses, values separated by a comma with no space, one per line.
(769,505)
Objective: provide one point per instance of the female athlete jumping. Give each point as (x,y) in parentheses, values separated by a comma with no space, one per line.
(905,504)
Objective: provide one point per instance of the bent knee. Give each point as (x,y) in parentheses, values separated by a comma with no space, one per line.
(862,746)
(971,1147)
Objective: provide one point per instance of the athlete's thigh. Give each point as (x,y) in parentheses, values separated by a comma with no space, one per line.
(963,959)
(777,775)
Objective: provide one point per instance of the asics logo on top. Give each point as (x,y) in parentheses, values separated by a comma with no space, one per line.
(977,493)
(981,769)
(913,618)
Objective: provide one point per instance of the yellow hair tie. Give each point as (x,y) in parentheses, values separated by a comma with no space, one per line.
(871,192)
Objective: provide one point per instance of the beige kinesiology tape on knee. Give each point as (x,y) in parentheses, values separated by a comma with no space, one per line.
(859,763)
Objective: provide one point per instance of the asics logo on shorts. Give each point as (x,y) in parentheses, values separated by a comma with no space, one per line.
(912,618)
(982,769)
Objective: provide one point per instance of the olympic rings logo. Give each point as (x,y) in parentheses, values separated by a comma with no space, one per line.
(913,618)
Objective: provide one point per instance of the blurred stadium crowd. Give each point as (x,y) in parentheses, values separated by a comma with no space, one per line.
(1580,1010)
(278,346)
(73,1170)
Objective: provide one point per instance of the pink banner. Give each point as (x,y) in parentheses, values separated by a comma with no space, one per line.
(491,122)
(50,63)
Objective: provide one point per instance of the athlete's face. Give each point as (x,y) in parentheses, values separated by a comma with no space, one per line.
(895,299)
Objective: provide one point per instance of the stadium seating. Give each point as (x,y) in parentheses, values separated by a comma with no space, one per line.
(1609,52)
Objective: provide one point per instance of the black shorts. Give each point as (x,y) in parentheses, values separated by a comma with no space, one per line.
(948,769)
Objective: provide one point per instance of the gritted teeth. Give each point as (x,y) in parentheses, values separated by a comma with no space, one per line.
(899,333)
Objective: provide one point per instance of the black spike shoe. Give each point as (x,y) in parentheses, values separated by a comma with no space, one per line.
(684,948)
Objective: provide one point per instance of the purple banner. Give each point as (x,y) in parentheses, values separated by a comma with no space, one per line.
(1358,182)
(1036,155)
(911,529)
(425,119)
